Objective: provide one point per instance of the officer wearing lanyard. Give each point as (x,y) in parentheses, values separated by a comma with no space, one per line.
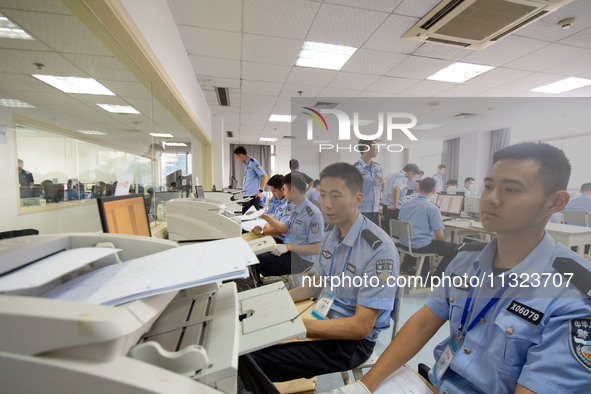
(373,180)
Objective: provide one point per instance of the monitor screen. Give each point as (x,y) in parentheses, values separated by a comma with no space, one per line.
(472,205)
(234,184)
(124,215)
(450,204)
(199,192)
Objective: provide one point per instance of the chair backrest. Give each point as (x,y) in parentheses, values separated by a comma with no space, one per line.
(400,229)
(576,217)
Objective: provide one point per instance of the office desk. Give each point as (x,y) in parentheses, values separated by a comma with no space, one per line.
(570,236)
(458,228)
(159,230)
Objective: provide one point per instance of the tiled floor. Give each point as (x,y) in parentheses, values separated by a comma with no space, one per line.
(410,304)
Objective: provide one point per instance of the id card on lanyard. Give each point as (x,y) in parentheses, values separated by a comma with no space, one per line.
(327,297)
(456,340)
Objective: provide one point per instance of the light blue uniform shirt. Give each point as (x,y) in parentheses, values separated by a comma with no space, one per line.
(283,214)
(507,348)
(438,182)
(424,216)
(371,185)
(411,184)
(313,196)
(400,180)
(581,203)
(464,190)
(372,253)
(275,204)
(252,177)
(306,226)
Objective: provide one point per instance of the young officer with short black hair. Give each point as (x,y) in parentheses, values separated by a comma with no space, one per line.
(515,331)
(373,179)
(353,247)
(255,179)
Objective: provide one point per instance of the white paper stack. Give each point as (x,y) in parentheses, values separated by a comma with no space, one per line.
(170,270)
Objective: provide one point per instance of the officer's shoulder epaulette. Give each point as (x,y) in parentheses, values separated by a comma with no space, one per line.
(472,246)
(371,239)
(328,227)
(309,210)
(580,276)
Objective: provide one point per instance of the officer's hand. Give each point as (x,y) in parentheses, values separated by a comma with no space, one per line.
(355,388)
(257,230)
(279,250)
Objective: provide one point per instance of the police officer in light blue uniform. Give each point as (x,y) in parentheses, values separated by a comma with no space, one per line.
(439,177)
(255,179)
(278,200)
(313,195)
(373,179)
(354,248)
(395,193)
(582,202)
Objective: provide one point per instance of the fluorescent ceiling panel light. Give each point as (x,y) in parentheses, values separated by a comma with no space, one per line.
(280,118)
(563,85)
(174,143)
(91,132)
(459,72)
(267,139)
(119,109)
(162,135)
(75,85)
(426,126)
(12,103)
(320,55)
(9,29)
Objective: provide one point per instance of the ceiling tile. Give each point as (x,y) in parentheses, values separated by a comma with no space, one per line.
(256,109)
(292,90)
(531,81)
(581,65)
(418,67)
(427,88)
(265,72)
(376,5)
(391,85)
(498,93)
(369,61)
(53,7)
(547,57)
(352,81)
(101,67)
(215,66)
(387,36)
(208,82)
(504,51)
(310,76)
(218,14)
(462,90)
(438,51)
(257,87)
(270,50)
(285,18)
(416,8)
(54,63)
(581,39)
(497,77)
(344,25)
(258,99)
(212,43)
(335,92)
(127,89)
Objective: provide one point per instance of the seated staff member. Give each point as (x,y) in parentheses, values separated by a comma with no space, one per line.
(278,200)
(304,233)
(395,193)
(373,179)
(314,193)
(513,339)
(425,218)
(467,187)
(582,202)
(353,246)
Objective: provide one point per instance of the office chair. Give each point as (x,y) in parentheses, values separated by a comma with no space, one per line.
(400,229)
(394,315)
(576,217)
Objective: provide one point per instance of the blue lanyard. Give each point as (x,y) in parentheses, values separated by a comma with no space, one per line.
(482,312)
(334,252)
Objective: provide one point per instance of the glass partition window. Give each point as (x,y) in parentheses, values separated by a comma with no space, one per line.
(55,168)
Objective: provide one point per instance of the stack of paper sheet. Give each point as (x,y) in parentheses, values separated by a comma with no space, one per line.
(170,270)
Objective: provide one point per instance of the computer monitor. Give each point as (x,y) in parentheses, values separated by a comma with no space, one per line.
(199,191)
(54,192)
(472,206)
(124,215)
(450,204)
(234,183)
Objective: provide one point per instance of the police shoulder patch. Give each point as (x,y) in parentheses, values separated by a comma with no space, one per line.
(288,210)
(371,239)
(580,340)
(384,269)
(314,227)
(309,210)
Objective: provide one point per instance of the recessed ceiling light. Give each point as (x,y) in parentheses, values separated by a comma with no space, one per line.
(162,135)
(75,84)
(426,126)
(91,132)
(321,55)
(13,103)
(564,85)
(459,72)
(174,143)
(9,29)
(119,109)
(267,139)
(280,118)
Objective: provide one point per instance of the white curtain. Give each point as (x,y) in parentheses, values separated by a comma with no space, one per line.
(498,140)
(451,158)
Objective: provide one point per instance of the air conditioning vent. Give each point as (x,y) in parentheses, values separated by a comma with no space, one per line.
(289,137)
(223,96)
(476,24)
(325,105)
(465,115)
